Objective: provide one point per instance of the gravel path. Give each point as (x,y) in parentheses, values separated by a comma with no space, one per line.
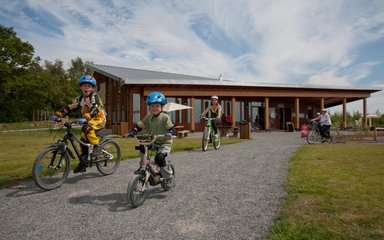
(232,193)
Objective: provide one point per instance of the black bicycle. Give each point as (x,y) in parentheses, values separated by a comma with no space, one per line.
(314,135)
(53,164)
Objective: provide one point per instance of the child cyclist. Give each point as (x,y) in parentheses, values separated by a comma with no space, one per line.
(156,123)
(90,106)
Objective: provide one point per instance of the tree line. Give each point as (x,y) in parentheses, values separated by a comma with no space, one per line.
(26,84)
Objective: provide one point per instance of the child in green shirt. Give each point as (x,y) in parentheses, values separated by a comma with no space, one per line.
(156,123)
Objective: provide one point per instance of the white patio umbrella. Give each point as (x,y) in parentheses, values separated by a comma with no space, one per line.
(370,116)
(169,107)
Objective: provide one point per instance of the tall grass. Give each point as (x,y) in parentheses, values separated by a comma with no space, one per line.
(334,192)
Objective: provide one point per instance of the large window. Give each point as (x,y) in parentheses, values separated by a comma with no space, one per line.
(198,110)
(136,107)
(172,114)
(227,108)
(206,103)
(239,111)
(272,116)
(255,112)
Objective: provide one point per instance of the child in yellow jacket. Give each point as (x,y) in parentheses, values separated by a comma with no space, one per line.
(93,118)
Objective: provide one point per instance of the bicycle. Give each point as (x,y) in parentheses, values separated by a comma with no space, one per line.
(53,164)
(138,184)
(209,135)
(314,135)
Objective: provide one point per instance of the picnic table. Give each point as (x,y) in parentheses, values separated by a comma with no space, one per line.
(180,132)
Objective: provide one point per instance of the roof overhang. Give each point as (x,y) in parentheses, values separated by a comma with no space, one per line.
(153,79)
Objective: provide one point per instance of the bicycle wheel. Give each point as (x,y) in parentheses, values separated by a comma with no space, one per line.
(205,140)
(50,168)
(330,140)
(312,137)
(217,141)
(109,158)
(135,193)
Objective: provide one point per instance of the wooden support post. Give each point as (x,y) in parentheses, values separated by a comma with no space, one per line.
(266,114)
(297,114)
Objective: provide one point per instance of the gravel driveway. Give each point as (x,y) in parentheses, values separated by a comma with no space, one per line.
(231,193)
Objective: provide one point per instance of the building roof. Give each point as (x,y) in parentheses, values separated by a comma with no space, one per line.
(139,76)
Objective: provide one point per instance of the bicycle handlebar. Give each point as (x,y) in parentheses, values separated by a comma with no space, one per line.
(207,119)
(69,124)
(148,139)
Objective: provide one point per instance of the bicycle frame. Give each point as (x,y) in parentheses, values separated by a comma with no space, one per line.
(138,183)
(51,167)
(314,134)
(69,137)
(209,135)
(146,141)
(209,125)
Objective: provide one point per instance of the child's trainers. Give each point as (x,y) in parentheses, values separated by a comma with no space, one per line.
(82,167)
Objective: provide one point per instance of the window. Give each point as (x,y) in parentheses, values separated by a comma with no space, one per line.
(172,114)
(198,110)
(136,107)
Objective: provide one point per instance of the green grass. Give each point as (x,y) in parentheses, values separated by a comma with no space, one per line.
(24,125)
(334,192)
(18,150)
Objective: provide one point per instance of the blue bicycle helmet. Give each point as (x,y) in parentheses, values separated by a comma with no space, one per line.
(156,97)
(87,79)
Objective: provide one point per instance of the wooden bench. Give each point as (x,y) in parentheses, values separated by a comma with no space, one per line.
(375,132)
(183,133)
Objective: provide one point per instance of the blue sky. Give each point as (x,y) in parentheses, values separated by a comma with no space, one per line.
(329,42)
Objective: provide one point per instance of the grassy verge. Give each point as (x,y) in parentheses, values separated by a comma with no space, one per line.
(18,150)
(24,125)
(334,192)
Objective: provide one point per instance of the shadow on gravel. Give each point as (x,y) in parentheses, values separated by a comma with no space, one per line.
(116,202)
(24,188)
(28,187)
(75,178)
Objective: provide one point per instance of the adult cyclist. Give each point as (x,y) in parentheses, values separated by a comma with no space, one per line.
(325,124)
(215,111)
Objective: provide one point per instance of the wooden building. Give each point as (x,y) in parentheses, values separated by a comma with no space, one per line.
(267,106)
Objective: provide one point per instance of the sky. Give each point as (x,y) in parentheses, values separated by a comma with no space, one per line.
(321,42)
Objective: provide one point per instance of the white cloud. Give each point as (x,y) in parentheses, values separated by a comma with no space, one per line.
(328,77)
(264,41)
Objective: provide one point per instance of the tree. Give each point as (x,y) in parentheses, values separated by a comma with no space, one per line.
(17,69)
(63,84)
(26,86)
(54,80)
(16,56)
(75,72)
